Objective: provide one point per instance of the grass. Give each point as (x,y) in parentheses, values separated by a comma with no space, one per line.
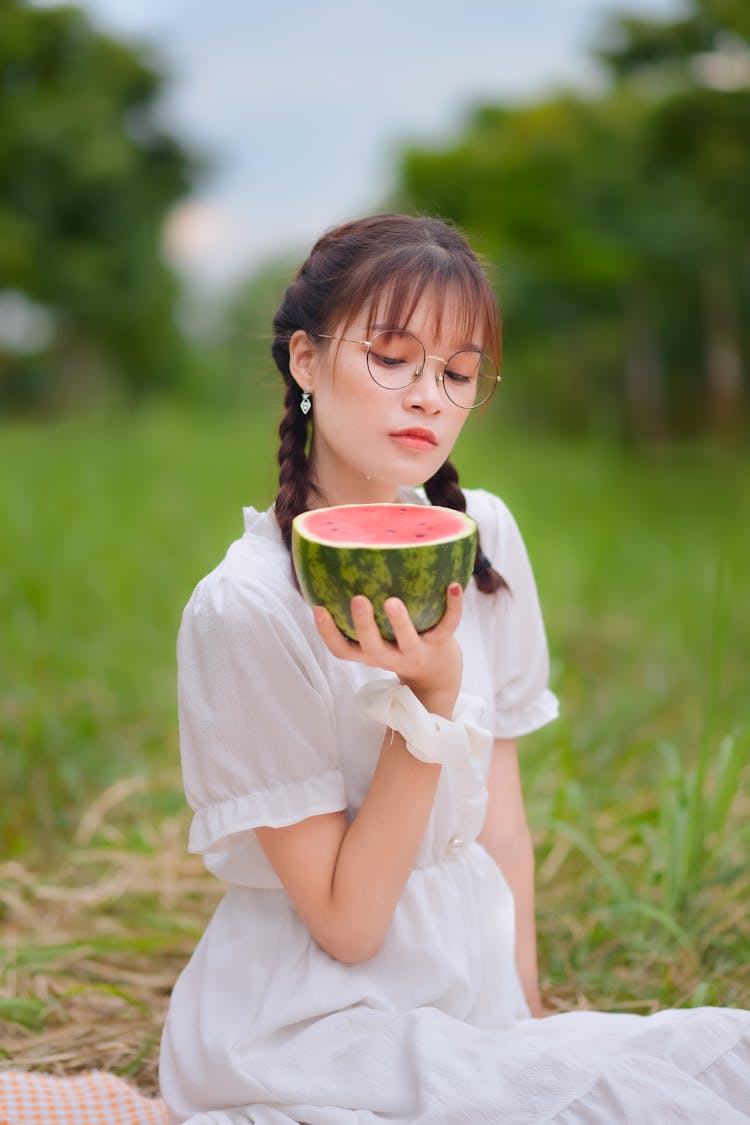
(92,948)
(638,795)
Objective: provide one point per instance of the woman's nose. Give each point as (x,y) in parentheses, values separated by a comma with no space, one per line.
(425,391)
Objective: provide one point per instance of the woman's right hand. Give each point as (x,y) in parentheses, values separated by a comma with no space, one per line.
(429,663)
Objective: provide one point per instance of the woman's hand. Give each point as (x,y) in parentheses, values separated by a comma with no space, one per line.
(429,663)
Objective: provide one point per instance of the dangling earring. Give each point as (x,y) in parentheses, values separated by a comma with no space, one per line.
(305,403)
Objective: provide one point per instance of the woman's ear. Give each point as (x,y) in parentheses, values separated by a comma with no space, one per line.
(302,356)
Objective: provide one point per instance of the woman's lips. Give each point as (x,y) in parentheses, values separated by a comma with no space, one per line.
(415,438)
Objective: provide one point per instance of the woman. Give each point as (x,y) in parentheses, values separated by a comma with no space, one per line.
(374,958)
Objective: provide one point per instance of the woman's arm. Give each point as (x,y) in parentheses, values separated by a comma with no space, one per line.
(507,838)
(345,879)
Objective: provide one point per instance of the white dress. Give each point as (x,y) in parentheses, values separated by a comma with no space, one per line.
(263,1025)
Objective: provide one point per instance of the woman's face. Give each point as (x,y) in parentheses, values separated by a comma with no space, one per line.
(368,440)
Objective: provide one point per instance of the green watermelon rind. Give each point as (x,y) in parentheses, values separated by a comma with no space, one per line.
(332,574)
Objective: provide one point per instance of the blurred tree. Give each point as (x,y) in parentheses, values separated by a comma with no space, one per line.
(86,178)
(548,192)
(231,357)
(697,70)
(655,48)
(619,226)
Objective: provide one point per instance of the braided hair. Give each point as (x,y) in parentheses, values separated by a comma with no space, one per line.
(388,260)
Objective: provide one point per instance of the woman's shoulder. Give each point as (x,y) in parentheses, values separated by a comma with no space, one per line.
(253,578)
(494,518)
(487,507)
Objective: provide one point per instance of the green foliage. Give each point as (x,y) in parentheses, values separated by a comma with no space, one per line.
(105,530)
(638,794)
(232,365)
(644,45)
(640,564)
(29,1012)
(87,177)
(618,229)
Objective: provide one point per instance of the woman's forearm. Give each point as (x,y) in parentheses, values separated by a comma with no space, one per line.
(345,878)
(379,850)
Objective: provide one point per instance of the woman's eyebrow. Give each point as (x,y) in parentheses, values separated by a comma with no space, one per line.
(468,347)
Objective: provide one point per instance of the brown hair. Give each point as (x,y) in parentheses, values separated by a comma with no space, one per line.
(386,261)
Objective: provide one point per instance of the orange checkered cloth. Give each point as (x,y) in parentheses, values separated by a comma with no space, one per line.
(95,1098)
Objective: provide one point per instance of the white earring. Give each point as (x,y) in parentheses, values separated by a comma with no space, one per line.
(305,403)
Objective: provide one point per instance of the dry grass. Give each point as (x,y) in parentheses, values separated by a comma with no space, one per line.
(91,950)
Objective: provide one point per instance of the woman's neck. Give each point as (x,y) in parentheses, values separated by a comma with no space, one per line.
(356,490)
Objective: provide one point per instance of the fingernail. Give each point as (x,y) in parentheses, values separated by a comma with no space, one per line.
(454,589)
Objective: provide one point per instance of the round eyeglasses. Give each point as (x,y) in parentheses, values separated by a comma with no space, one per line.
(396,359)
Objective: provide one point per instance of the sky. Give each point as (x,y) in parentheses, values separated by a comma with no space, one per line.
(301,106)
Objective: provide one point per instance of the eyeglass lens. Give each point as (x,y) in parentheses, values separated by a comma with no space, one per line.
(396,358)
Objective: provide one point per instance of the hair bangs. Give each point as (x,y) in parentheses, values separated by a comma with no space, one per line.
(386,291)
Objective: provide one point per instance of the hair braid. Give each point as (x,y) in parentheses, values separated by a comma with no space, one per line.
(294,466)
(443,488)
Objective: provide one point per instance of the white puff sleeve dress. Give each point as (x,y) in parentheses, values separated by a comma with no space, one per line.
(263,1025)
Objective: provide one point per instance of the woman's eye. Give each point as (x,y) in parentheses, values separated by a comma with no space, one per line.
(457,377)
(386,360)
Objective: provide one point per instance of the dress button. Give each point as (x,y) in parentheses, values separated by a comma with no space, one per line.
(455,843)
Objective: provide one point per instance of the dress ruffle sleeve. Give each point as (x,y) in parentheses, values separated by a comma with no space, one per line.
(523,700)
(257,721)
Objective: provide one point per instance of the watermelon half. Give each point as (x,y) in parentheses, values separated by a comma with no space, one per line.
(410,551)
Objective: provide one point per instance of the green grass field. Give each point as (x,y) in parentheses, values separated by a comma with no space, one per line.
(638,795)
